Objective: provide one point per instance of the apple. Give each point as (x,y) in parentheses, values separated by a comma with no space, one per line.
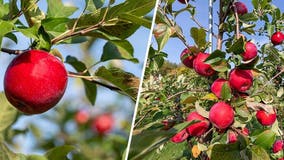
(183,1)
(232,137)
(250,51)
(240,80)
(186,58)
(264,118)
(35,81)
(245,131)
(241,8)
(200,67)
(199,128)
(180,136)
(102,123)
(221,115)
(278,146)
(277,38)
(82,117)
(217,85)
(281,158)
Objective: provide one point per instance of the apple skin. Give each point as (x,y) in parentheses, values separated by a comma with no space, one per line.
(277,38)
(35,81)
(241,8)
(245,131)
(278,146)
(281,158)
(183,1)
(82,117)
(180,136)
(199,128)
(264,118)
(186,58)
(221,115)
(200,67)
(103,123)
(240,80)
(231,137)
(217,85)
(250,51)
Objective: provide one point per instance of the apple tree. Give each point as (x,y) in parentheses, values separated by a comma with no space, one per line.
(36,35)
(226,100)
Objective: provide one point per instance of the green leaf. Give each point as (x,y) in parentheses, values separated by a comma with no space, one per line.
(226,151)
(6,27)
(237,47)
(215,56)
(44,42)
(162,33)
(265,139)
(7,154)
(32,13)
(125,81)
(98,3)
(90,88)
(258,153)
(55,26)
(248,17)
(226,92)
(199,37)
(118,49)
(36,157)
(4,10)
(59,152)
(136,20)
(31,32)
(57,9)
(8,114)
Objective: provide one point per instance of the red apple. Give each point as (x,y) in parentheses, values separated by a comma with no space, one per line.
(199,128)
(250,51)
(221,115)
(277,38)
(35,81)
(240,80)
(186,58)
(245,131)
(183,1)
(180,136)
(200,67)
(217,85)
(264,118)
(102,123)
(241,8)
(278,146)
(82,117)
(232,137)
(281,158)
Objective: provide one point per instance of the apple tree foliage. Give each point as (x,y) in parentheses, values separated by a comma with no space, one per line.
(171,91)
(99,20)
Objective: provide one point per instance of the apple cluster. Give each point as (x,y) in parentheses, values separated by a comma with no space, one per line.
(101,124)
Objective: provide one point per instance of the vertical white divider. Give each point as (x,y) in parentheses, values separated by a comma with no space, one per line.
(210,29)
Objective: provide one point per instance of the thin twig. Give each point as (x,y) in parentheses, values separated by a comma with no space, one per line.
(237,21)
(200,26)
(15,52)
(184,91)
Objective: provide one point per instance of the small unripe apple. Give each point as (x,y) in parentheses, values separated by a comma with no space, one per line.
(250,51)
(221,115)
(201,67)
(199,128)
(102,123)
(35,81)
(180,136)
(186,58)
(82,117)
(240,80)
(278,146)
(217,85)
(232,137)
(241,8)
(277,38)
(183,1)
(264,118)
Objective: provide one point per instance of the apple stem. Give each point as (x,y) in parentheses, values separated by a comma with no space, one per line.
(15,52)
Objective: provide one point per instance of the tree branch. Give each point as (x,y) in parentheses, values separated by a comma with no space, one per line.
(237,22)
(15,52)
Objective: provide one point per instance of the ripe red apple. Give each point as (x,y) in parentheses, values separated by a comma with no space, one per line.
(200,67)
(264,118)
(281,158)
(35,81)
(232,137)
(245,131)
(250,51)
(183,1)
(277,38)
(199,128)
(82,116)
(217,85)
(221,115)
(186,58)
(102,123)
(278,146)
(240,80)
(180,136)
(241,8)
